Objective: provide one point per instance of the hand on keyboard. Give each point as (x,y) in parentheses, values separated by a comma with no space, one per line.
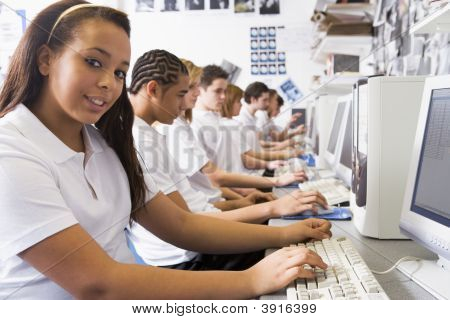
(275,164)
(288,178)
(347,277)
(282,267)
(306,230)
(333,189)
(298,201)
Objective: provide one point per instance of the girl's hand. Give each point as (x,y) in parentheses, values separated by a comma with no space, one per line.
(282,267)
(306,230)
(298,201)
(275,164)
(288,178)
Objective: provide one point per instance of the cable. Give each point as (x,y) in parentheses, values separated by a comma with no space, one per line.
(407,258)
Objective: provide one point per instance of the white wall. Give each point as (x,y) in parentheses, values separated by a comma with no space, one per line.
(208,37)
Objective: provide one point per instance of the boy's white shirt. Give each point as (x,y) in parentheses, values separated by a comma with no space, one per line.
(189,156)
(158,162)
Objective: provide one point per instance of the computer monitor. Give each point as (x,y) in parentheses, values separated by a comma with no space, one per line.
(359,141)
(426,207)
(336,134)
(312,134)
(385,116)
(344,166)
(311,124)
(300,120)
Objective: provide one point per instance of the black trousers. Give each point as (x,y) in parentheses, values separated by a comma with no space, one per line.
(267,173)
(229,262)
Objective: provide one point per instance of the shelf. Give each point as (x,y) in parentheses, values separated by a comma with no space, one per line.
(355,9)
(438,21)
(339,84)
(351,45)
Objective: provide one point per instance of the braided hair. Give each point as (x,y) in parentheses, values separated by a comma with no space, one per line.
(159,65)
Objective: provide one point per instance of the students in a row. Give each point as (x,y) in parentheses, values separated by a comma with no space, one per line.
(158,86)
(68,189)
(224,170)
(274,137)
(219,141)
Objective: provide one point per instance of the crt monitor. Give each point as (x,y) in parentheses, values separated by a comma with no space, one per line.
(301,120)
(336,133)
(344,167)
(426,207)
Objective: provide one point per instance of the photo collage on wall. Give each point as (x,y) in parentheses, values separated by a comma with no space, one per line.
(266,7)
(265,59)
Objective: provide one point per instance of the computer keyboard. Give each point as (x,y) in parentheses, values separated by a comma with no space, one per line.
(325,173)
(347,278)
(332,189)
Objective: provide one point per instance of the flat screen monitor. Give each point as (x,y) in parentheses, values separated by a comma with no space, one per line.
(426,206)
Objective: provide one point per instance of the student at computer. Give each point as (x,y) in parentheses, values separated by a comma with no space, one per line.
(207,129)
(67,188)
(274,137)
(254,116)
(159,82)
(193,161)
(286,133)
(256,97)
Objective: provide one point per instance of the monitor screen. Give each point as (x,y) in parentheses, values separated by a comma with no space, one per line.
(430,197)
(332,142)
(346,153)
(311,123)
(362,133)
(300,120)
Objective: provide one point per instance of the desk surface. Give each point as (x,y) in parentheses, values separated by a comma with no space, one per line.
(379,255)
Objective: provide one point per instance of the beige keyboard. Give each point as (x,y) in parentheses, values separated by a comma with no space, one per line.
(333,189)
(347,278)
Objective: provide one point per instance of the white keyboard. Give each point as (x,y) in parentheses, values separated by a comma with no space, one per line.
(325,173)
(333,189)
(347,277)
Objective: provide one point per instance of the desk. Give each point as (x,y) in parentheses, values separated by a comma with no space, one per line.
(379,255)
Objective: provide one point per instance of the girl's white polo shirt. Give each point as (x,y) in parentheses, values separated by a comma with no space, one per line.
(46,187)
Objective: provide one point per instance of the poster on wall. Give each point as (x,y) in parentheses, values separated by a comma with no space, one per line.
(171,5)
(291,91)
(195,5)
(242,6)
(145,5)
(232,70)
(219,4)
(265,57)
(269,7)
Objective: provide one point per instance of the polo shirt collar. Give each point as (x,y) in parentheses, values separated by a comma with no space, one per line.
(35,131)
